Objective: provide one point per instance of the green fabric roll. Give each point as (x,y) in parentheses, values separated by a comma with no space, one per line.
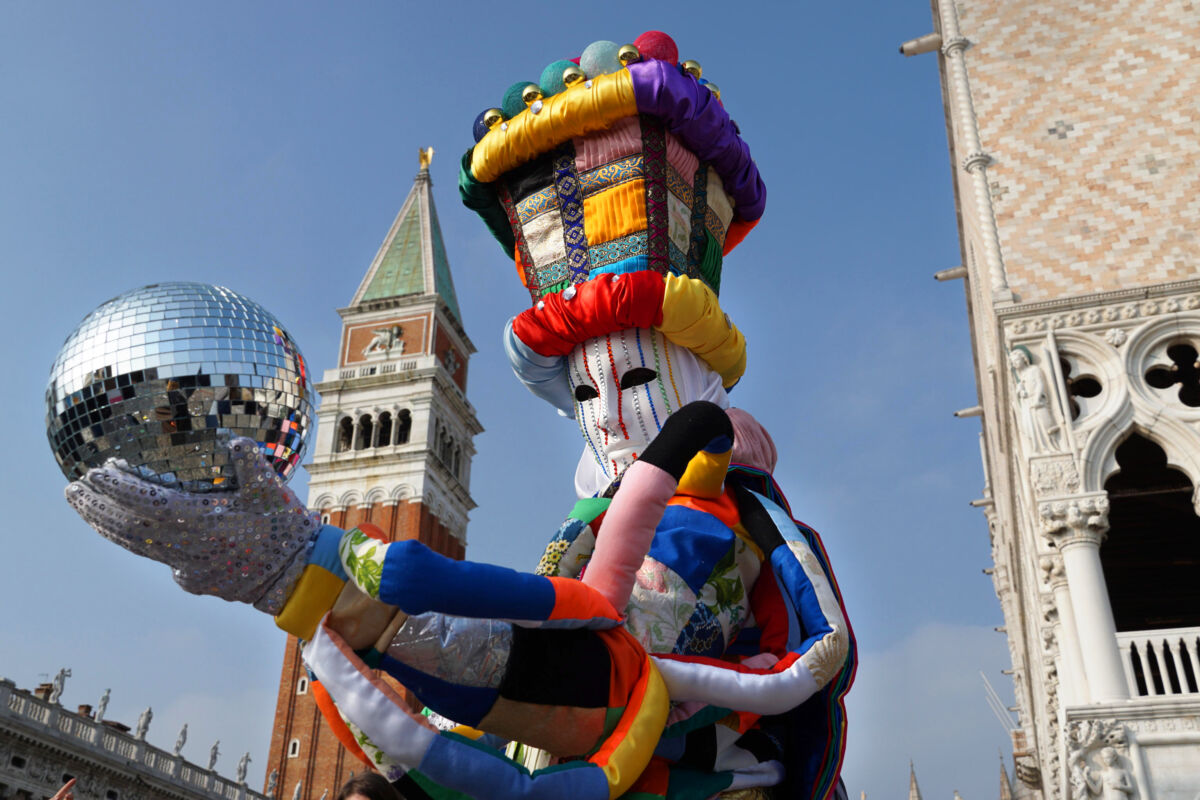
(484,201)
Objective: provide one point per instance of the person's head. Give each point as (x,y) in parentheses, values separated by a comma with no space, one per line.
(1018,358)
(1108,756)
(368,786)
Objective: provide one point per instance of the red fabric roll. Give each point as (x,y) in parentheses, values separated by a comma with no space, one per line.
(601,305)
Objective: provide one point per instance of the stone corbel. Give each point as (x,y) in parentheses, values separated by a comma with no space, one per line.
(1076,520)
(1053,573)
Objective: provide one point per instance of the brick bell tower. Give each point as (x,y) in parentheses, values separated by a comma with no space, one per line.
(393,448)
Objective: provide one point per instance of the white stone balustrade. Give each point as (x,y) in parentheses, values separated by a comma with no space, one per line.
(105,749)
(1161,663)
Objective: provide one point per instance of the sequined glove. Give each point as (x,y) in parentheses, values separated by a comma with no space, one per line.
(248,544)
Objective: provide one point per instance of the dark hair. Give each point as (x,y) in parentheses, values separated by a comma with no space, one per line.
(370,785)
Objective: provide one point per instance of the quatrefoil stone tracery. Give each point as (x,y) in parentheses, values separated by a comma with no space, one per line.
(1183,369)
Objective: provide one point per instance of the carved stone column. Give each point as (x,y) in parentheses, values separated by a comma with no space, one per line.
(1077,526)
(1074,685)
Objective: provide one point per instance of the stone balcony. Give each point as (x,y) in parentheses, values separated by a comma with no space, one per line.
(1155,734)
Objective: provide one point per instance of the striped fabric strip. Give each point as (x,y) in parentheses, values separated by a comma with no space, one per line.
(522,247)
(570,203)
(654,149)
(698,239)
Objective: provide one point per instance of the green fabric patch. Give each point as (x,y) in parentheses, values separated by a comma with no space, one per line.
(436,790)
(589,508)
(710,265)
(688,784)
(554,288)
(700,719)
(366,566)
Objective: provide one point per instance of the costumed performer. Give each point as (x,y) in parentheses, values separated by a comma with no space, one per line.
(734,599)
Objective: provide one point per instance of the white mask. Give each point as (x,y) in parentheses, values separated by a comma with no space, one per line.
(617,423)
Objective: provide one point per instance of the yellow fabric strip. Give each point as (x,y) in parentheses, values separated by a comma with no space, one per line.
(574,112)
(614,213)
(692,318)
(705,474)
(466,731)
(630,757)
(315,593)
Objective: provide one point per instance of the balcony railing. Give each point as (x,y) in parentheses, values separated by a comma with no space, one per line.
(1162,663)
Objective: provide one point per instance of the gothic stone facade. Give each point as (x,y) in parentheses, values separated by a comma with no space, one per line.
(1074,136)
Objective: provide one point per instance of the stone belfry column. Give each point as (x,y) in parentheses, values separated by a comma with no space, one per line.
(1077,527)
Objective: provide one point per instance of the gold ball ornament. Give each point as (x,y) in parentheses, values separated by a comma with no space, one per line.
(493,117)
(629,54)
(693,68)
(572,75)
(531,94)
(712,87)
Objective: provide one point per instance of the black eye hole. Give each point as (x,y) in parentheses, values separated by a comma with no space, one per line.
(584,392)
(637,376)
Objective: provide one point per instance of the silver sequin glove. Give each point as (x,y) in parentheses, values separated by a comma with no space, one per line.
(248,544)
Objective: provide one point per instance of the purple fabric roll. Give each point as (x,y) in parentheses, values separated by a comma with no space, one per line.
(691,112)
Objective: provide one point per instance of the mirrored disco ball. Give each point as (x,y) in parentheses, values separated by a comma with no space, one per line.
(165,375)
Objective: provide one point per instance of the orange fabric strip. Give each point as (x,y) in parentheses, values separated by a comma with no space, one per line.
(723,508)
(576,600)
(615,213)
(336,724)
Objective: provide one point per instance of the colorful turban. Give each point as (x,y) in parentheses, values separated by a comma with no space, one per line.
(618,195)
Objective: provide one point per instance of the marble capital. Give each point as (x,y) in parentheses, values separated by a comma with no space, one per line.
(1077,520)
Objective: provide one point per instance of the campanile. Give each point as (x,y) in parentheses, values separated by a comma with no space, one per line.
(393,447)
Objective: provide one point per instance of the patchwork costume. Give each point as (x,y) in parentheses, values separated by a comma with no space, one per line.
(683,636)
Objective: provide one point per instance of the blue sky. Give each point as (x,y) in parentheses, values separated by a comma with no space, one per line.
(267,147)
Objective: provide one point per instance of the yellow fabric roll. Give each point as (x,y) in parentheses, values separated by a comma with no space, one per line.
(692,318)
(629,758)
(615,212)
(705,474)
(570,113)
(315,593)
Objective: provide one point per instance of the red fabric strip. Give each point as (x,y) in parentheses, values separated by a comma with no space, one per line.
(599,306)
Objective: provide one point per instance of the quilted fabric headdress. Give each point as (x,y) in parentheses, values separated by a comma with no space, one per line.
(618,182)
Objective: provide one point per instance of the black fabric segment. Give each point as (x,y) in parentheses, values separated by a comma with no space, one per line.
(700,750)
(410,789)
(530,177)
(760,745)
(757,521)
(557,667)
(686,433)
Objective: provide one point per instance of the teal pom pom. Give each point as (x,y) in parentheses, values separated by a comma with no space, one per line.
(513,104)
(600,58)
(551,80)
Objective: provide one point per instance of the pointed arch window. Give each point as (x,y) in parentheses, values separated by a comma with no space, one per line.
(1152,553)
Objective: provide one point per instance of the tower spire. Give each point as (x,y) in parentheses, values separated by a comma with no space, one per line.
(412,259)
(1006,792)
(914,791)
